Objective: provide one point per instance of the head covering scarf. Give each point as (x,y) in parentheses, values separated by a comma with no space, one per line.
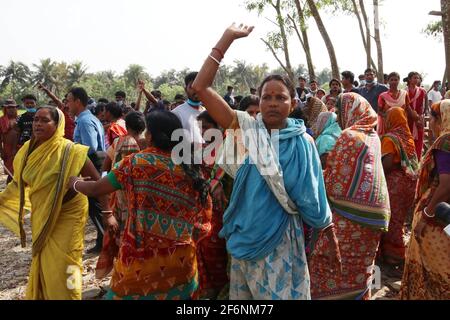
(269,199)
(328,131)
(356,113)
(41,174)
(426,179)
(397,129)
(354,176)
(313,108)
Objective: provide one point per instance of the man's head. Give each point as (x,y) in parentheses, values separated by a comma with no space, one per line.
(302,82)
(30,102)
(313,85)
(230,89)
(348,78)
(253,91)
(77,100)
(157,94)
(369,76)
(335,86)
(436,85)
(120,97)
(188,80)
(113,112)
(10,108)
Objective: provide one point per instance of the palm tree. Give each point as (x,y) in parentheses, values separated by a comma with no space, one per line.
(133,73)
(16,74)
(76,72)
(45,73)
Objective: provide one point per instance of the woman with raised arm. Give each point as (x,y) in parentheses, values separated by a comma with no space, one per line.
(263,223)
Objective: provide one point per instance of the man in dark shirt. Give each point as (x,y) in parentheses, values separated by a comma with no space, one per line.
(25,122)
(372,90)
(348,78)
(301,90)
(229,98)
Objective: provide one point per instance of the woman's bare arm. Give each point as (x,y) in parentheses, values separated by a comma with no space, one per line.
(217,107)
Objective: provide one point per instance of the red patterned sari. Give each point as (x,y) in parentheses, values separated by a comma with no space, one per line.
(427,267)
(157,256)
(399,142)
(358,197)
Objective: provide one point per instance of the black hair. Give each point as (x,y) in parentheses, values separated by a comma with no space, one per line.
(393,74)
(283,79)
(29,97)
(161,124)
(103,100)
(350,76)
(179,97)
(99,108)
(412,74)
(369,70)
(248,101)
(157,94)
(135,121)
(121,94)
(115,110)
(166,103)
(54,114)
(230,88)
(80,94)
(189,78)
(314,81)
(206,117)
(356,83)
(335,80)
(302,78)
(299,114)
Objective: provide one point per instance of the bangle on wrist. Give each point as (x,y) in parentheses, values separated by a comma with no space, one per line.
(214,59)
(74,187)
(425,212)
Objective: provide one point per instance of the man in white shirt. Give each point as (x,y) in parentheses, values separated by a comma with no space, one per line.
(434,95)
(189,111)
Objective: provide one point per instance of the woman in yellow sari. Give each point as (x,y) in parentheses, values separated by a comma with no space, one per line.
(426,275)
(42,168)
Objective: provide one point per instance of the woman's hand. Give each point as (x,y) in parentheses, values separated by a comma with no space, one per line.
(110,223)
(235,32)
(334,254)
(73,180)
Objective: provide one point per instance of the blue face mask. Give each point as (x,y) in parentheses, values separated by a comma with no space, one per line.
(369,82)
(31,110)
(194,103)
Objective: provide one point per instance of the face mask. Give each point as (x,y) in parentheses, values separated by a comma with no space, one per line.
(363,82)
(120,103)
(194,103)
(32,110)
(369,82)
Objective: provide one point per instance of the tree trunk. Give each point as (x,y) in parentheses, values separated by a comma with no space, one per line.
(378,41)
(368,39)
(306,47)
(326,38)
(445,9)
(285,41)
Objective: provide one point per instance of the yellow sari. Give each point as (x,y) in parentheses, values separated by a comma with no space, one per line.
(39,185)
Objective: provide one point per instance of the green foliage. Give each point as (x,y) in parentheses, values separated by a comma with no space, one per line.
(434,29)
(16,79)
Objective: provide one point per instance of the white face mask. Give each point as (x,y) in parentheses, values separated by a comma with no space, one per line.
(363,82)
(120,103)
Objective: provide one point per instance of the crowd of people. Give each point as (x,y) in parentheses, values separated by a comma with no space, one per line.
(297,195)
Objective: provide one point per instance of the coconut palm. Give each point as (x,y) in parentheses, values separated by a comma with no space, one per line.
(16,74)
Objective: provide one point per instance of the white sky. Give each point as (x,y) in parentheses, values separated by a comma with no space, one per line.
(160,35)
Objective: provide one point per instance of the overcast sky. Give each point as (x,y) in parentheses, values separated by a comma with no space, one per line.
(160,35)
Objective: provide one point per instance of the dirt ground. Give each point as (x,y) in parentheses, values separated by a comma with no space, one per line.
(15,262)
